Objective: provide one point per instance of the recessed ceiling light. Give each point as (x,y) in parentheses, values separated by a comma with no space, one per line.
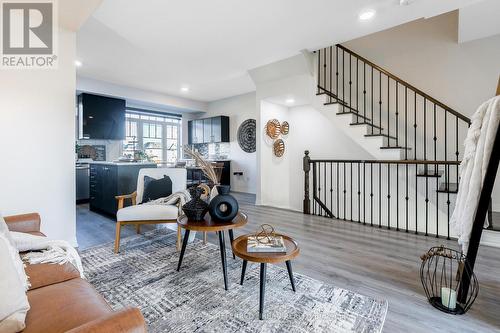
(184,89)
(405,2)
(367,15)
(78,63)
(290,101)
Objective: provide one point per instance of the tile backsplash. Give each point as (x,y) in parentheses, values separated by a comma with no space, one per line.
(213,150)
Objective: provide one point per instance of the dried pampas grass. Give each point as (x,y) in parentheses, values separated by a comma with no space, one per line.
(206,167)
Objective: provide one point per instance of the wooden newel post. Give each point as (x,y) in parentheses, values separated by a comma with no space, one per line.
(306,167)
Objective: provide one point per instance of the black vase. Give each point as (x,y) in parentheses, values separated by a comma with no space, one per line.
(224,206)
(196,208)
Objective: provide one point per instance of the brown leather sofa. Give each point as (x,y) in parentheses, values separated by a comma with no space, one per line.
(60,301)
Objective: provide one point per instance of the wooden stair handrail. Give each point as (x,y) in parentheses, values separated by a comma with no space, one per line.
(395,78)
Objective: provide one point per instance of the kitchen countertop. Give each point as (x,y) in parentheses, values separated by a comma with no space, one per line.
(122,163)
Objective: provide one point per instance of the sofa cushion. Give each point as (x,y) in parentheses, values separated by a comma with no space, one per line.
(156,188)
(41,275)
(13,301)
(63,306)
(147,213)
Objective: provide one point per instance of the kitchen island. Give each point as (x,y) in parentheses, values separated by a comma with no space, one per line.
(109,179)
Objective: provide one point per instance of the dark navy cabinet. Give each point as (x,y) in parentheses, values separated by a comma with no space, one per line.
(208,130)
(109,180)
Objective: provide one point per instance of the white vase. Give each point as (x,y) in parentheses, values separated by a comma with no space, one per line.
(214,192)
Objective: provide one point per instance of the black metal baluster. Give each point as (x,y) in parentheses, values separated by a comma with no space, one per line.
(426,169)
(364,193)
(371,194)
(364,90)
(337,71)
(406,124)
(380,101)
(416,199)
(371,96)
(357,89)
(319,188)
(380,195)
(345,199)
(324,69)
(437,204)
(338,192)
(314,187)
(407,198)
(350,188)
(359,193)
(388,110)
(350,85)
(397,197)
(447,170)
(324,183)
(415,128)
(330,71)
(397,115)
(319,70)
(389,196)
(343,81)
(331,186)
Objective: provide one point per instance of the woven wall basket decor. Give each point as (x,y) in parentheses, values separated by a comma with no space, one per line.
(273,128)
(247,136)
(285,128)
(279,148)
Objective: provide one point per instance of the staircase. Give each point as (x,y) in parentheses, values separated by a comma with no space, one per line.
(409,134)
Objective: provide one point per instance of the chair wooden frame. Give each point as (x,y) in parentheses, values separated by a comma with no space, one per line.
(133,197)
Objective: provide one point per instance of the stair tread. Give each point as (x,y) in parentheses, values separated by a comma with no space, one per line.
(374,126)
(395,147)
(381,134)
(354,113)
(448,188)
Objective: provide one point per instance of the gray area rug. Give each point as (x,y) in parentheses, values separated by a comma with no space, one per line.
(194,300)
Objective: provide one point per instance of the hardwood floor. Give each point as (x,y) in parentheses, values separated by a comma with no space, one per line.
(376,262)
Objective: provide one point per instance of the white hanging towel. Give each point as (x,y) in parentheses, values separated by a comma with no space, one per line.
(478,148)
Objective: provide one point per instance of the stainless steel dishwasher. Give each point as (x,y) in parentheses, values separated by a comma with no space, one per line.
(82,182)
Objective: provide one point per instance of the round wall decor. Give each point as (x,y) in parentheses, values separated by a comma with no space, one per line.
(273,128)
(279,148)
(247,135)
(285,128)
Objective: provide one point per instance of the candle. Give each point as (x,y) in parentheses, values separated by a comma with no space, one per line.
(449,298)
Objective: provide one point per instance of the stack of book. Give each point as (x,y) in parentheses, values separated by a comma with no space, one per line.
(273,244)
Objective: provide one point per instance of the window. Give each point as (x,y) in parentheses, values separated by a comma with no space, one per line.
(157,136)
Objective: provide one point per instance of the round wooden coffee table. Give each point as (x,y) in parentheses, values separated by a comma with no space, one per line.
(210,225)
(239,246)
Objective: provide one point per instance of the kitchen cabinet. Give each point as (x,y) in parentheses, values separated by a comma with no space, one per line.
(108,180)
(195,176)
(208,130)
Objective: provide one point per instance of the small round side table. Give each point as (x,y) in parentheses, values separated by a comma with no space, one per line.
(240,249)
(210,225)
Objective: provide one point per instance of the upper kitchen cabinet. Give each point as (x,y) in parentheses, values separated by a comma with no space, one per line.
(208,130)
(101,117)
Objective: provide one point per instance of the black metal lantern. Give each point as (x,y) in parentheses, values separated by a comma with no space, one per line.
(449,283)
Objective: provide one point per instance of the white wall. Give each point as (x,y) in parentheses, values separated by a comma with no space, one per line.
(37,142)
(282,182)
(238,108)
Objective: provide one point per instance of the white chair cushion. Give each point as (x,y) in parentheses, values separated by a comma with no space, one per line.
(147,213)
(177,175)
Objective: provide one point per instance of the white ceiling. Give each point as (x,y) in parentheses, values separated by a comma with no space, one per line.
(209,45)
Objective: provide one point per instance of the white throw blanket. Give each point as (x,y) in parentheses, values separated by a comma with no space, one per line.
(47,250)
(478,147)
(177,198)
